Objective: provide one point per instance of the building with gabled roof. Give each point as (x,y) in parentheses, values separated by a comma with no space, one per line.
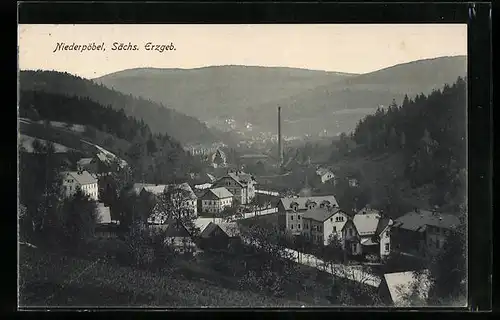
(423,232)
(72,180)
(319,225)
(291,209)
(325,174)
(372,232)
(215,200)
(220,236)
(240,184)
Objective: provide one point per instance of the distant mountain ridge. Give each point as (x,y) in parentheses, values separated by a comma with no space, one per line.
(309,98)
(159,118)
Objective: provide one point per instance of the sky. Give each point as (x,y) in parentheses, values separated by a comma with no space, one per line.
(357,48)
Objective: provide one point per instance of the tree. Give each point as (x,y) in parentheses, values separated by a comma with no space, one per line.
(448,270)
(174,206)
(41,192)
(80,219)
(402,140)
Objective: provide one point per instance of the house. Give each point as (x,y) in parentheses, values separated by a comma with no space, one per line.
(291,209)
(353,182)
(422,232)
(240,184)
(72,180)
(318,225)
(178,238)
(215,200)
(97,165)
(369,234)
(351,239)
(220,236)
(105,228)
(396,287)
(219,159)
(325,175)
(189,198)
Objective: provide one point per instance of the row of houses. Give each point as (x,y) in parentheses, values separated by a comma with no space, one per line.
(367,232)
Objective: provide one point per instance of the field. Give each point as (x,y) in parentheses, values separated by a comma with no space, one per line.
(51,279)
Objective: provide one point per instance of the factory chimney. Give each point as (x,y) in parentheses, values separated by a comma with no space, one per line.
(280,143)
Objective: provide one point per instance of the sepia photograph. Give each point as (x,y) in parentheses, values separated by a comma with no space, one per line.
(242,165)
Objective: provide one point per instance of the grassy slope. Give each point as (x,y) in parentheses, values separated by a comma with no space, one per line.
(70,138)
(50,279)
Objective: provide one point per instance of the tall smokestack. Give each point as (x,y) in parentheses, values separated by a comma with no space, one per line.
(280,145)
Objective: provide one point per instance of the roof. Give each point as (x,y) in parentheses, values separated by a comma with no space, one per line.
(253,156)
(185,187)
(417,221)
(366,223)
(382,224)
(323,171)
(104,213)
(176,229)
(367,241)
(301,201)
(220,192)
(232,229)
(203,223)
(211,177)
(82,178)
(399,284)
(318,214)
(84,161)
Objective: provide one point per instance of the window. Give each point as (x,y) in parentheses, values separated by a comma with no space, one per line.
(298,217)
(331,219)
(386,247)
(298,226)
(291,226)
(291,218)
(334,229)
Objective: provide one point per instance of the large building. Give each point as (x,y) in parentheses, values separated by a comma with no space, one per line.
(319,225)
(240,184)
(215,200)
(422,232)
(87,183)
(291,210)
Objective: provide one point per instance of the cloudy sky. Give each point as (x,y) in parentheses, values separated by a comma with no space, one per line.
(331,47)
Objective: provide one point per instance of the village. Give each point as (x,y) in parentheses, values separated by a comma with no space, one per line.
(318,232)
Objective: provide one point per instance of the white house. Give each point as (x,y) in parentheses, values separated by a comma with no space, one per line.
(292,208)
(215,200)
(325,175)
(240,184)
(369,233)
(318,225)
(72,180)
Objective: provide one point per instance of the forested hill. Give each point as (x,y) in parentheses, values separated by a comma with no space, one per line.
(154,157)
(160,119)
(429,132)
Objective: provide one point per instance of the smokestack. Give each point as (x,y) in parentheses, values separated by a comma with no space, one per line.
(280,150)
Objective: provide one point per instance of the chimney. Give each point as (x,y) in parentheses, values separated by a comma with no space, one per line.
(280,147)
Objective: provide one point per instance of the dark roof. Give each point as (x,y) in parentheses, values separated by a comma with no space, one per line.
(318,214)
(211,227)
(382,224)
(176,229)
(417,221)
(301,201)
